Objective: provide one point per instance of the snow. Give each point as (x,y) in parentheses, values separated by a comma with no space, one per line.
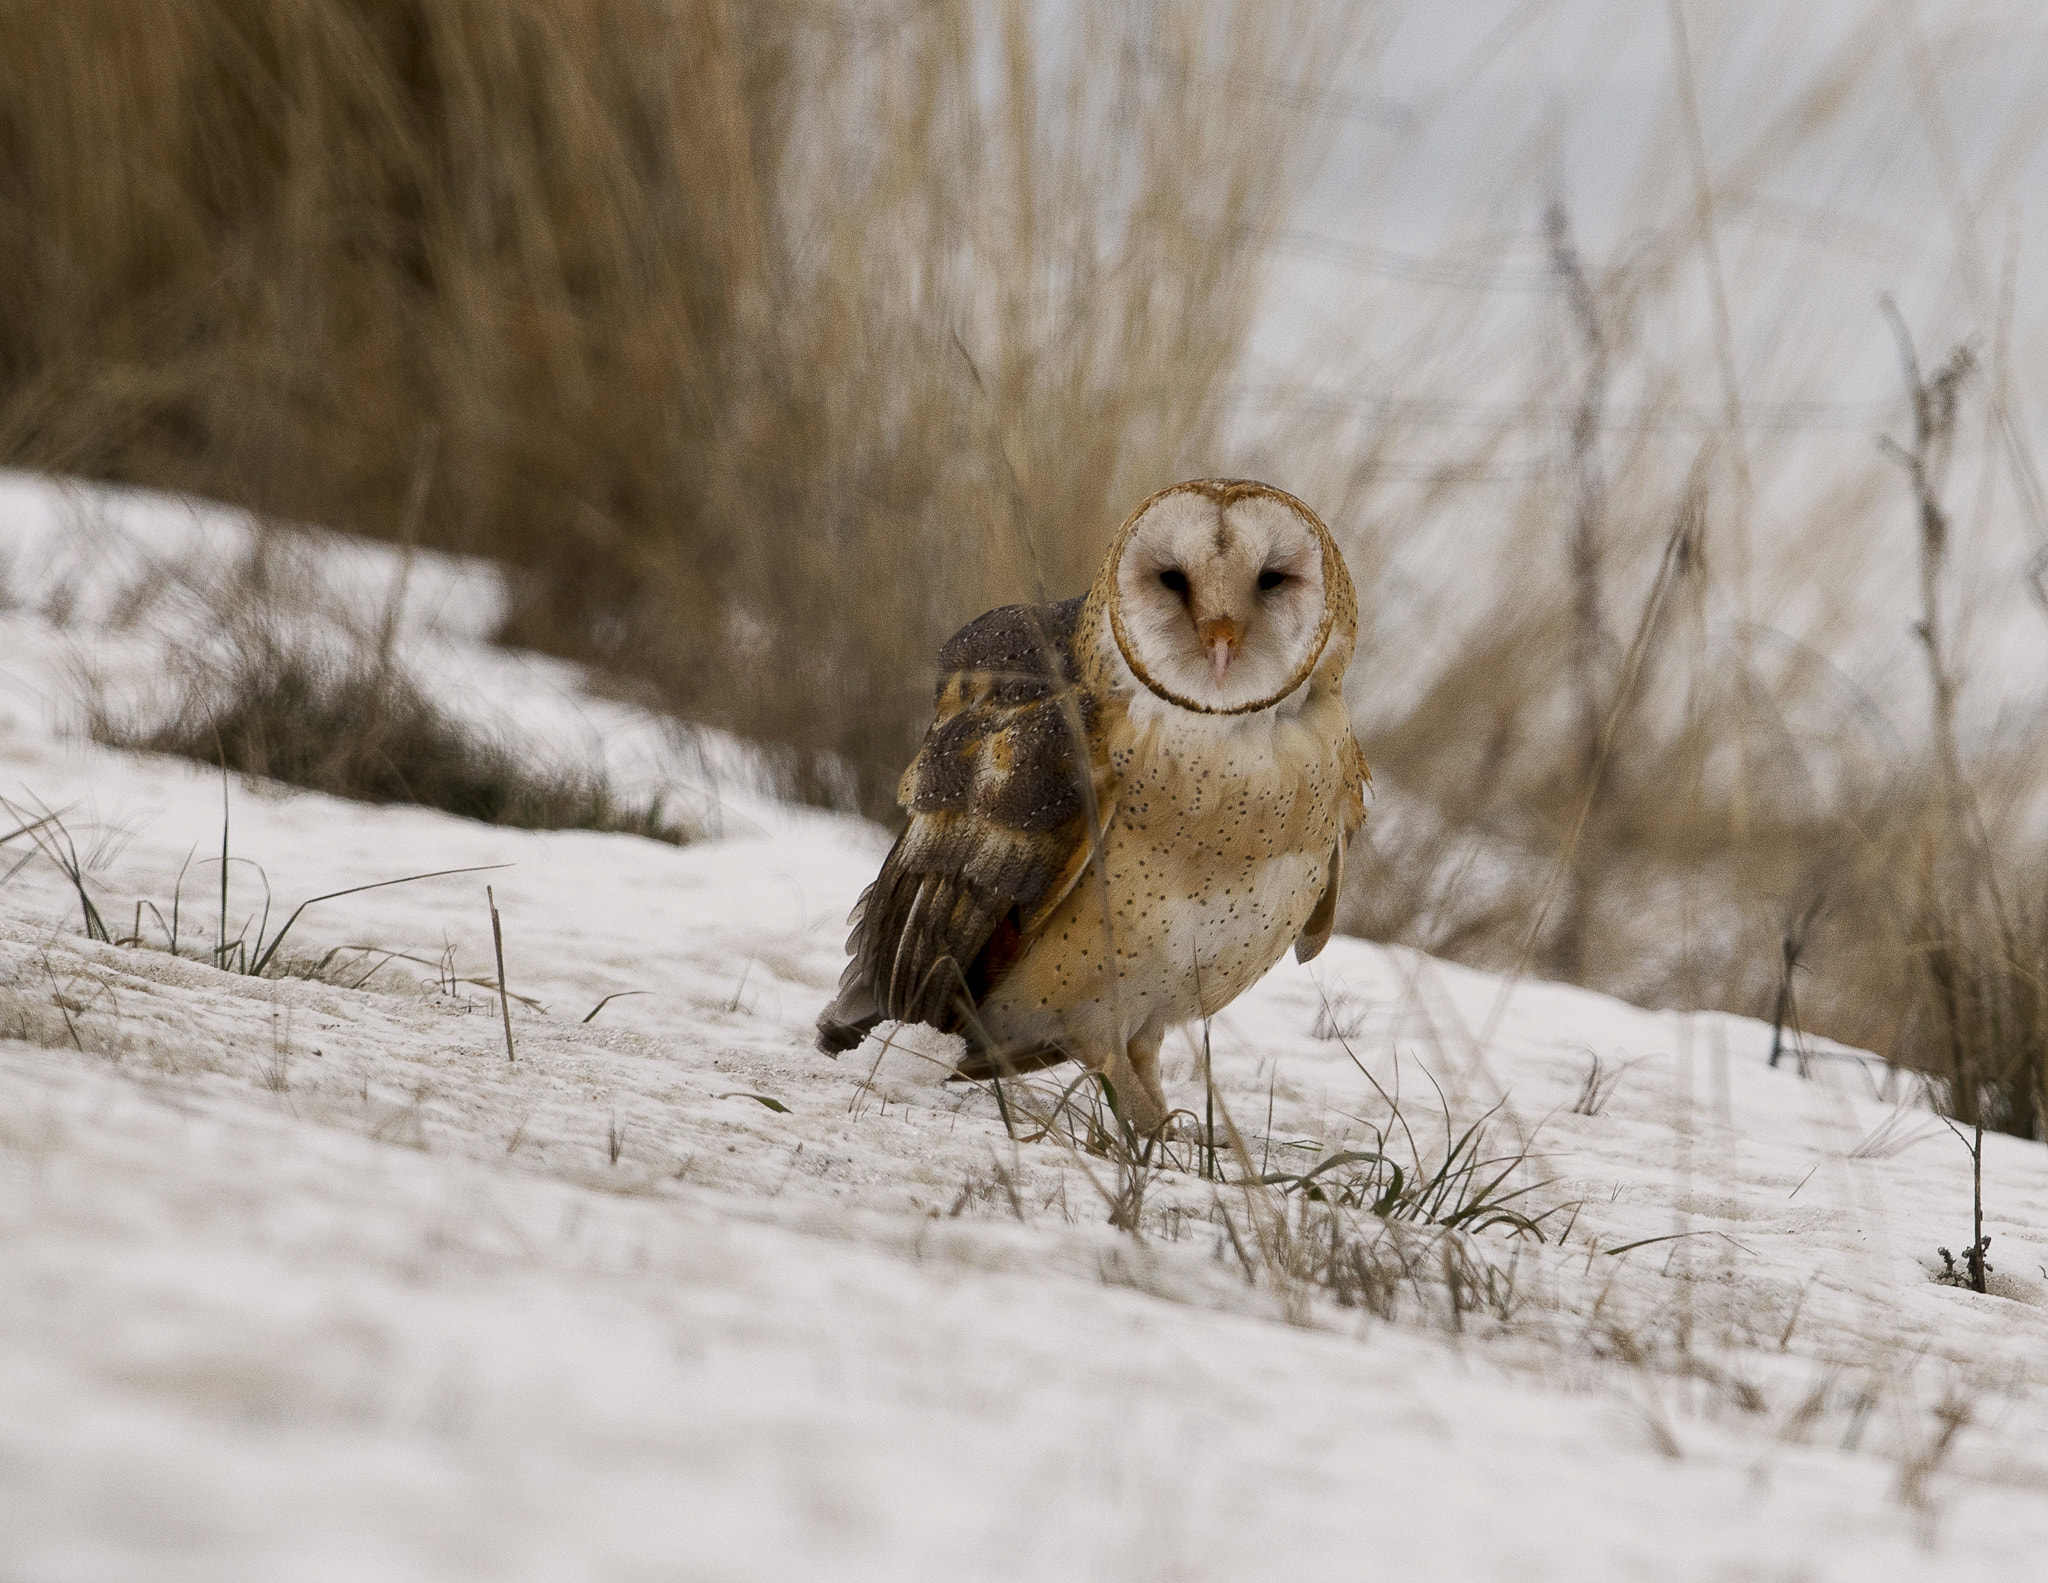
(311,1282)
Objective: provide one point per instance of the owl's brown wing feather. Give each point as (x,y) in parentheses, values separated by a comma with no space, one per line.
(1007,797)
(1315,934)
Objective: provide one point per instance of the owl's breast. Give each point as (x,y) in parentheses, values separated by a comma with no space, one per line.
(1220,849)
(1247,786)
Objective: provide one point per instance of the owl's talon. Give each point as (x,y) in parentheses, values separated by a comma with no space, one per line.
(1180,1127)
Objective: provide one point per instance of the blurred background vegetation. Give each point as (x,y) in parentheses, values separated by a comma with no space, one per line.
(765,343)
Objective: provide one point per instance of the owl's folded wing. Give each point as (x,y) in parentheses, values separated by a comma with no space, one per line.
(1008,797)
(1315,934)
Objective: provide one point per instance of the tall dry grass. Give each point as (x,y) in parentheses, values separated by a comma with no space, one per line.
(768,342)
(1636,740)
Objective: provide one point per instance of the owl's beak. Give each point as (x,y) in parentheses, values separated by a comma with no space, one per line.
(1219,635)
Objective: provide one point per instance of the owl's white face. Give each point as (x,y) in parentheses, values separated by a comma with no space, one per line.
(1222,603)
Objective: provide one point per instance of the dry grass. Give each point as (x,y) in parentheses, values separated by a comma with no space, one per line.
(275,675)
(768,343)
(336,724)
(1398,1225)
(1629,726)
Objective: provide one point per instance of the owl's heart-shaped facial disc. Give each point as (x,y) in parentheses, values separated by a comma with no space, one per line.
(1220,596)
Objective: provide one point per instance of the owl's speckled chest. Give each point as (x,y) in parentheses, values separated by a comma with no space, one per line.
(1219,847)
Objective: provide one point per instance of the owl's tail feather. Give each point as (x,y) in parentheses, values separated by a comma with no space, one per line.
(853,1011)
(836,1037)
(912,931)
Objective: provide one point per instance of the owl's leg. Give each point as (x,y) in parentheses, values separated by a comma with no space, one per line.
(1134,1071)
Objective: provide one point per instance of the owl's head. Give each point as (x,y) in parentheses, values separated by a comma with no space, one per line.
(1224,594)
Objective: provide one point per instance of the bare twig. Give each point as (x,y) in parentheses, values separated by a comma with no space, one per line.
(1792,944)
(1589,641)
(1926,464)
(504,1002)
(1973,1256)
(617,994)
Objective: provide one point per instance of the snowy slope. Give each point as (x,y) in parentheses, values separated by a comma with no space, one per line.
(310,1282)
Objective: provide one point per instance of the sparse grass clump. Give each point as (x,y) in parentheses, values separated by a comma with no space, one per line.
(1389,1269)
(1390,1231)
(1981,1024)
(243,944)
(273,671)
(373,734)
(1397,1230)
(1465,1189)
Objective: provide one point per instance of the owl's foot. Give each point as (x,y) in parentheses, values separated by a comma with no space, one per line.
(1139,1103)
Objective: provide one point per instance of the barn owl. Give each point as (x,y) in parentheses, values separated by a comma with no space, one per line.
(1129,802)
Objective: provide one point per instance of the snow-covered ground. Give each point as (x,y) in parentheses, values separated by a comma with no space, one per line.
(306,1281)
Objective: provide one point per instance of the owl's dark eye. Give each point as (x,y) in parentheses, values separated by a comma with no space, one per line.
(1270,580)
(1174,578)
